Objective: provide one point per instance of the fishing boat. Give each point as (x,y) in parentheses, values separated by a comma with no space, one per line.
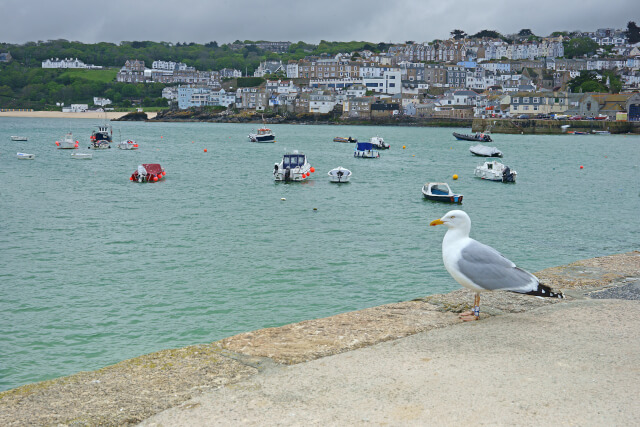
(495,171)
(101,139)
(479,137)
(148,172)
(485,151)
(601,132)
(67,142)
(365,150)
(339,175)
(293,167)
(82,156)
(263,135)
(440,192)
(343,139)
(18,138)
(25,156)
(128,145)
(378,142)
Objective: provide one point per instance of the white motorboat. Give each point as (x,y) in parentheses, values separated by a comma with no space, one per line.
(264,135)
(67,142)
(293,167)
(485,151)
(25,156)
(18,138)
(128,145)
(82,156)
(339,175)
(101,139)
(378,142)
(365,150)
(495,171)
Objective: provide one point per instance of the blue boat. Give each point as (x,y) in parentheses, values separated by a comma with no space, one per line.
(365,150)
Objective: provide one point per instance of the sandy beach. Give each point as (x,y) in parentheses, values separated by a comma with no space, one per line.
(60,115)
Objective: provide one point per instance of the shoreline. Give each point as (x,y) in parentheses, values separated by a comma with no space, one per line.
(60,115)
(136,389)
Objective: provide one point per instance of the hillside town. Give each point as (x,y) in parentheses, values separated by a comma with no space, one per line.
(458,78)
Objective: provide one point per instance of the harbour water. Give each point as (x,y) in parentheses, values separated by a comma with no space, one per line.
(96,269)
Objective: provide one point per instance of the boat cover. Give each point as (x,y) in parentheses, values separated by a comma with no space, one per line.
(483,150)
(363,146)
(149,168)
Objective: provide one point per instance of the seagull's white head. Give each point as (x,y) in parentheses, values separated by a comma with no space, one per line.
(455,220)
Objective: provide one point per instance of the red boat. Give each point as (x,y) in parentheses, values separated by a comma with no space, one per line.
(148,172)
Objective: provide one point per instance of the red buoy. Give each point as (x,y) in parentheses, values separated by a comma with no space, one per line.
(312,169)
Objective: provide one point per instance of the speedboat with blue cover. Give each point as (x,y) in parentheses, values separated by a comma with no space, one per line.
(365,150)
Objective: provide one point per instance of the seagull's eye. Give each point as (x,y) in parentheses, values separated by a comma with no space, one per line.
(452,216)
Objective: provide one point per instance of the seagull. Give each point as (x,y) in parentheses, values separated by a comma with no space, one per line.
(479,267)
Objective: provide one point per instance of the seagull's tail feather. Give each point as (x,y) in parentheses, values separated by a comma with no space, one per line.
(544,291)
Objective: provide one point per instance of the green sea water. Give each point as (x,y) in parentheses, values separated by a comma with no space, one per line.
(95,269)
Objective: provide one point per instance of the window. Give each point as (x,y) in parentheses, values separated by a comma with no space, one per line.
(525,107)
(536,100)
(525,100)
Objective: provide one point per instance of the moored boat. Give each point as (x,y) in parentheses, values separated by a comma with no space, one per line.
(365,150)
(440,192)
(495,171)
(67,142)
(293,167)
(339,175)
(263,135)
(485,151)
(25,156)
(342,139)
(480,137)
(101,139)
(82,156)
(378,142)
(18,138)
(148,172)
(128,145)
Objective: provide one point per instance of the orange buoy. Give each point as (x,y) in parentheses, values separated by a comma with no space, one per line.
(155,179)
(312,169)
(131,178)
(205,150)
(581,167)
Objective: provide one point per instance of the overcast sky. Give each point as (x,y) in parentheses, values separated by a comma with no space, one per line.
(225,21)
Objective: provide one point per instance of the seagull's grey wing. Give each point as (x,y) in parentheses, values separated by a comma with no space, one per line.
(488,269)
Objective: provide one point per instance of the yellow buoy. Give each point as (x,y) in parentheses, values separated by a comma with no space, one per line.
(455,176)
(404,146)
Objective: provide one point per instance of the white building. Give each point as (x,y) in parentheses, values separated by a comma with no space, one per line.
(75,108)
(390,82)
(101,101)
(63,63)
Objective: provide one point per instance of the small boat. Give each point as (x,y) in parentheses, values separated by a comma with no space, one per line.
(440,192)
(82,156)
(378,142)
(25,156)
(342,139)
(365,150)
(128,145)
(577,132)
(480,137)
(293,167)
(148,172)
(495,171)
(484,151)
(264,135)
(601,132)
(18,138)
(67,142)
(339,175)
(101,139)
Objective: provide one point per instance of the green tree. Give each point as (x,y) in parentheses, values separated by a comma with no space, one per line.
(487,33)
(580,47)
(525,32)
(458,34)
(632,32)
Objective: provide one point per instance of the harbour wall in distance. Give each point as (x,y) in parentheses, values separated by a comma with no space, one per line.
(551,127)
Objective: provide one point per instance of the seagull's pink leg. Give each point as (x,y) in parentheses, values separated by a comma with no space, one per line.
(474,314)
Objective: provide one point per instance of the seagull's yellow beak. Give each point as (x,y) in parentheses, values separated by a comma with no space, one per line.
(436,222)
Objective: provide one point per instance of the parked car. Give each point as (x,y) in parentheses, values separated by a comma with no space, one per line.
(576,118)
(523,116)
(543,116)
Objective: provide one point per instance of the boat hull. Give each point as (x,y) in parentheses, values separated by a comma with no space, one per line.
(25,156)
(339,175)
(465,137)
(454,198)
